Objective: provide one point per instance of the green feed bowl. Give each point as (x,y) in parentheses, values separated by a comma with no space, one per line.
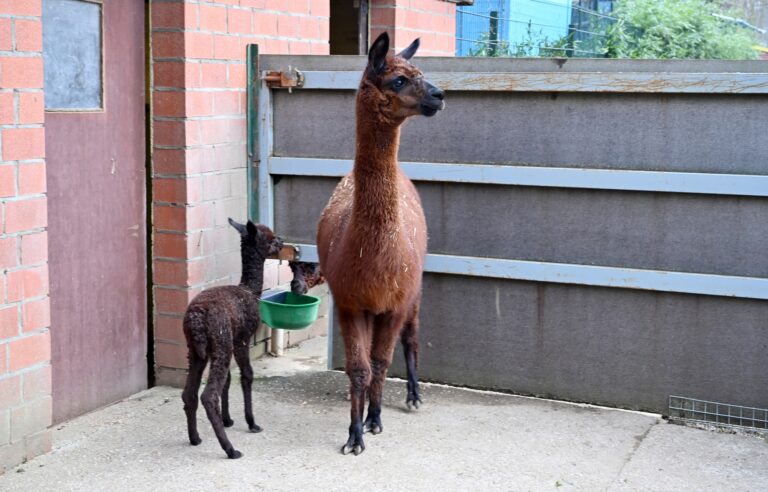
(287,311)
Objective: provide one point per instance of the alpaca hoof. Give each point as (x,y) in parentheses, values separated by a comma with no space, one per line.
(354,445)
(195,440)
(356,449)
(255,428)
(373,429)
(373,426)
(413,402)
(234,454)
(228,422)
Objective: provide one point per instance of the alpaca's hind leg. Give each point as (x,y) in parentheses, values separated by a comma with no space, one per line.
(189,396)
(356,332)
(225,417)
(386,328)
(246,380)
(216,380)
(410,341)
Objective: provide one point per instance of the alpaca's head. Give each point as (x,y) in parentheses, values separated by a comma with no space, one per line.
(394,87)
(305,276)
(257,241)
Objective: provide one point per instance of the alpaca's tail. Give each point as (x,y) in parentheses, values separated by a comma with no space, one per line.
(194,330)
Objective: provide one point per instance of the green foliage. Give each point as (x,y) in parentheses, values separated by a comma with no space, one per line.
(533,44)
(559,48)
(485,46)
(676,29)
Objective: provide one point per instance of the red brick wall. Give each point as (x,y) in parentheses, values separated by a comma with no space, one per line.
(434,21)
(25,344)
(198,176)
(199,144)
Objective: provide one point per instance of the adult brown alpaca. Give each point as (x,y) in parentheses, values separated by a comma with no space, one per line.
(372,236)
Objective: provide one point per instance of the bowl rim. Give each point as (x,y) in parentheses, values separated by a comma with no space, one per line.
(316,300)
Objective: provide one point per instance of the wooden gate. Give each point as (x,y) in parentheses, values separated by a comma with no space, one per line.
(596,227)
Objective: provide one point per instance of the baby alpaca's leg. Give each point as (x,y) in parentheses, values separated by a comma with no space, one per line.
(225,417)
(189,396)
(246,380)
(210,397)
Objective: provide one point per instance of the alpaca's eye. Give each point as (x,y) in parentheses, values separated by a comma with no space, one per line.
(399,83)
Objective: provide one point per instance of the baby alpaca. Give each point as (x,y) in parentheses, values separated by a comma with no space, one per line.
(305,276)
(218,323)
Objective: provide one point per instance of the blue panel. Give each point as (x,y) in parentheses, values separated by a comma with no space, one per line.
(472,22)
(540,21)
(519,22)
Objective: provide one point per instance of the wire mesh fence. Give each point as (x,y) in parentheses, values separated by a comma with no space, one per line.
(718,414)
(523,28)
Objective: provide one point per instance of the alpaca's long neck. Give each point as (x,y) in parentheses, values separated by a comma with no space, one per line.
(253,276)
(375,172)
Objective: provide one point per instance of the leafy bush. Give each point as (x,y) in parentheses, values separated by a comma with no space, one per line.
(485,46)
(533,44)
(676,29)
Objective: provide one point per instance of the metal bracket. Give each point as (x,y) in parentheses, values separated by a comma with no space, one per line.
(287,79)
(289,252)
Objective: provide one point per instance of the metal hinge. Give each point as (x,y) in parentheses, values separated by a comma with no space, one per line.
(287,79)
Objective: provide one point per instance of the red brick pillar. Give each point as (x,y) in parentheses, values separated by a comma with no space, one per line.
(434,21)
(25,342)
(199,144)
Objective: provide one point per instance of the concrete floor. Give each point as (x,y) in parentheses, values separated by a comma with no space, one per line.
(459,440)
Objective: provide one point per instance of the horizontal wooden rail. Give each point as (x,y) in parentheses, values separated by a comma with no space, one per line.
(618,82)
(602,179)
(599,276)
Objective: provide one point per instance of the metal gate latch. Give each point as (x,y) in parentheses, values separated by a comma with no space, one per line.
(284,80)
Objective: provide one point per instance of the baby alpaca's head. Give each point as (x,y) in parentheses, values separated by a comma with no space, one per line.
(257,241)
(305,276)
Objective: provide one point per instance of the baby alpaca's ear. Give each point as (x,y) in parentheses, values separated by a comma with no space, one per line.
(239,227)
(252,229)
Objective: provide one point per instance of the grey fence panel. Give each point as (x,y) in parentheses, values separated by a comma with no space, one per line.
(656,231)
(616,347)
(678,132)
(298,223)
(642,182)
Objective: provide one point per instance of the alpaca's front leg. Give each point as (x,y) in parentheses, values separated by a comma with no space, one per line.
(410,342)
(386,328)
(358,377)
(355,329)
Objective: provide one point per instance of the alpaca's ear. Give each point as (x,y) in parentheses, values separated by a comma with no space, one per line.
(240,227)
(408,52)
(252,229)
(377,55)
